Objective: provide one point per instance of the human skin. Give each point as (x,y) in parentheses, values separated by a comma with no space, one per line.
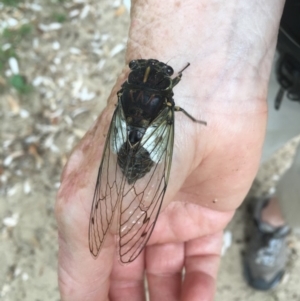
(230,46)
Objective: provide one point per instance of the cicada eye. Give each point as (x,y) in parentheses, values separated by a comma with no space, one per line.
(133,64)
(170,71)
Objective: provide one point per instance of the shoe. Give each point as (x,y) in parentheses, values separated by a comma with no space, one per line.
(266,255)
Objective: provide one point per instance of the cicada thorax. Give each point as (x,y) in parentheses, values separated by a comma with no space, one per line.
(141,107)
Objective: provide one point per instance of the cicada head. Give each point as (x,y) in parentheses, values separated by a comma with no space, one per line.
(150,73)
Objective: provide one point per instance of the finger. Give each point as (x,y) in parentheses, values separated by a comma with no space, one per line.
(127,281)
(164,264)
(81,277)
(201,267)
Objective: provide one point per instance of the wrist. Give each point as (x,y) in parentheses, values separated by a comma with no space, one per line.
(230,47)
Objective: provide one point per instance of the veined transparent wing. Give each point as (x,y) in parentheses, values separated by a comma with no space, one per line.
(141,201)
(109,182)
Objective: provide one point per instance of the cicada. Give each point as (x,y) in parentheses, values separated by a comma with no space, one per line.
(135,167)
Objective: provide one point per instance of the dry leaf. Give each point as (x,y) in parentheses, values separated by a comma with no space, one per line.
(120,11)
(14,105)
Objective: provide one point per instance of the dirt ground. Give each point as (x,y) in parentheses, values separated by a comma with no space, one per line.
(68,61)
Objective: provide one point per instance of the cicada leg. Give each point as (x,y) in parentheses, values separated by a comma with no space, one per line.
(177,79)
(179,109)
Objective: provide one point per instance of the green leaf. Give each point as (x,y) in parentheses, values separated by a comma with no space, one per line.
(10,2)
(19,83)
(15,35)
(59,17)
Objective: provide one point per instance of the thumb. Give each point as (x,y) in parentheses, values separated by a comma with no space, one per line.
(80,276)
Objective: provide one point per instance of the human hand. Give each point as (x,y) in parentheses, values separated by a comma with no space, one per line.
(230,50)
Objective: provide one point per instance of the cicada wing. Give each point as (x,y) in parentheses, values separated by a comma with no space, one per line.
(109,183)
(141,200)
